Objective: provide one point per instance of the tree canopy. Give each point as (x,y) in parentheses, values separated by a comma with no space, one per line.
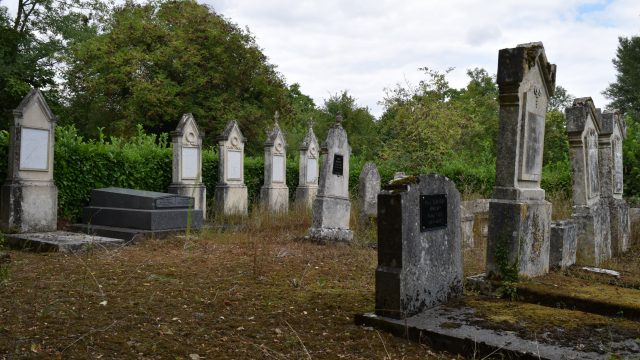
(625,91)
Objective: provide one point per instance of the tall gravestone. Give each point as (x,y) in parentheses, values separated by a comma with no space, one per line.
(187,163)
(419,245)
(231,195)
(519,216)
(612,133)
(29,195)
(308,170)
(332,207)
(590,214)
(368,189)
(274,194)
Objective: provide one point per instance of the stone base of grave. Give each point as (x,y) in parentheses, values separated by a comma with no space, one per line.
(519,233)
(142,219)
(593,234)
(197,192)
(275,199)
(29,206)
(331,217)
(466,227)
(232,199)
(620,229)
(127,234)
(305,195)
(329,235)
(60,241)
(562,252)
(634,225)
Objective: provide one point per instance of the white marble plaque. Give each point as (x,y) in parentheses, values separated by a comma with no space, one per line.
(34,149)
(234,165)
(617,167)
(277,169)
(312,171)
(190,162)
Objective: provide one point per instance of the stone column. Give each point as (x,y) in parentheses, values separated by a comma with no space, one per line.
(519,216)
(231,195)
(612,133)
(29,195)
(369,187)
(187,163)
(332,207)
(591,215)
(274,194)
(308,173)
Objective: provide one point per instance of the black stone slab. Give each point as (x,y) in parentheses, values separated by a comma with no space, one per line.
(128,235)
(60,241)
(163,219)
(138,199)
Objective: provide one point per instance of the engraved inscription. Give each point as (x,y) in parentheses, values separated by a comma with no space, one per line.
(592,163)
(312,171)
(531,157)
(338,163)
(278,168)
(190,162)
(34,149)
(433,212)
(617,166)
(173,202)
(234,165)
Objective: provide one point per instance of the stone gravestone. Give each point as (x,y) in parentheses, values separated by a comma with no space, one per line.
(187,163)
(274,194)
(231,195)
(590,214)
(29,196)
(308,173)
(369,187)
(612,133)
(519,216)
(562,251)
(419,246)
(332,207)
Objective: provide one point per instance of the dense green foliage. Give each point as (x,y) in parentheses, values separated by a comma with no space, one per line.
(625,91)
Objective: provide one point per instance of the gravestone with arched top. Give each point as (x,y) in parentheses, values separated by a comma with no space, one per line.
(274,194)
(308,170)
(231,195)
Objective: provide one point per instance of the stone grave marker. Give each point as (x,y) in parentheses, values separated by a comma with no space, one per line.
(466,227)
(29,195)
(308,173)
(231,195)
(368,189)
(332,207)
(419,246)
(519,216)
(274,194)
(187,163)
(590,213)
(562,252)
(612,133)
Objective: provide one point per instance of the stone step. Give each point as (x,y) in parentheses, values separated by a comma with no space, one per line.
(163,219)
(60,241)
(126,234)
(138,199)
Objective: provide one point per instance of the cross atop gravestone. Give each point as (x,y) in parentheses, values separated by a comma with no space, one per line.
(274,194)
(231,193)
(187,162)
(29,196)
(308,168)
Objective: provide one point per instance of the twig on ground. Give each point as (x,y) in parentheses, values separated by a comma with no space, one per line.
(300,340)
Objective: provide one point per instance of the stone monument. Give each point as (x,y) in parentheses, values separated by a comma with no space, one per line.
(308,173)
(274,194)
(590,214)
(29,195)
(519,216)
(231,195)
(419,246)
(187,163)
(612,133)
(369,187)
(332,207)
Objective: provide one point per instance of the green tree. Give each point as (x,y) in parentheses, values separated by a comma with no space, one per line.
(625,91)
(560,100)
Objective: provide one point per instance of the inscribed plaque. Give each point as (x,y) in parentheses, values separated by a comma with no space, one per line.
(312,171)
(532,151)
(617,167)
(592,164)
(234,165)
(190,162)
(338,163)
(277,169)
(34,149)
(433,212)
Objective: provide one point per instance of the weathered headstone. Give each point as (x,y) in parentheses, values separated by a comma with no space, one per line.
(308,173)
(274,194)
(231,195)
(419,246)
(187,163)
(562,252)
(591,215)
(332,207)
(519,216)
(480,210)
(466,227)
(369,187)
(29,195)
(612,133)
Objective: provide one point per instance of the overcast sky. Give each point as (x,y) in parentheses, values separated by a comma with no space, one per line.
(364,46)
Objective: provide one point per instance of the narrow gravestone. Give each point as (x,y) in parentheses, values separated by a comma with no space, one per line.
(274,194)
(466,227)
(480,210)
(612,133)
(590,213)
(369,187)
(419,246)
(332,207)
(231,195)
(29,195)
(187,163)
(519,216)
(562,252)
(308,170)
